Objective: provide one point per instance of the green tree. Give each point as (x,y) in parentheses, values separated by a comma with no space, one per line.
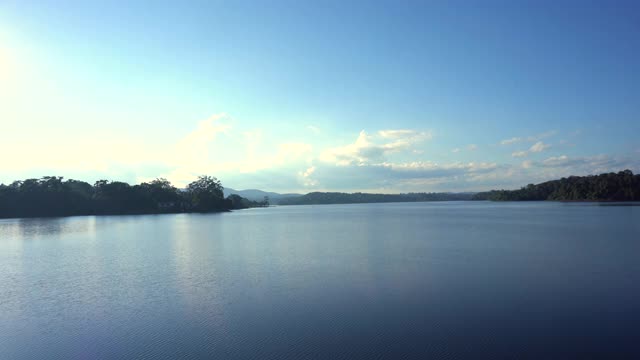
(206,194)
(161,191)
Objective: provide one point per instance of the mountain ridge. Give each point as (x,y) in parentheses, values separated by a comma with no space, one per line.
(258,195)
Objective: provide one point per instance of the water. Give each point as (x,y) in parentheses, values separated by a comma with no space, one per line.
(374,281)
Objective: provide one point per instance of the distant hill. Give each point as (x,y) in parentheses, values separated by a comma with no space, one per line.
(622,186)
(357,198)
(258,195)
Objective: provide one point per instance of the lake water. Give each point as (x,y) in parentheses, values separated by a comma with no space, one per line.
(443,280)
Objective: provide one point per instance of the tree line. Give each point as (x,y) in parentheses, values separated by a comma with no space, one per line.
(54,196)
(621,186)
(358,198)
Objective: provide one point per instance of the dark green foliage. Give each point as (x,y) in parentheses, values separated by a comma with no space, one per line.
(51,196)
(621,186)
(48,196)
(355,198)
(205,194)
(238,202)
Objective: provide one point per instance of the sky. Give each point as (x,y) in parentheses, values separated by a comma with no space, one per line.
(301,96)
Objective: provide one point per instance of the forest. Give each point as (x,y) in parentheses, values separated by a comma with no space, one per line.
(356,198)
(54,196)
(621,186)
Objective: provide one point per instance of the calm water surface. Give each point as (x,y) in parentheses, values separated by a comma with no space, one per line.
(377,281)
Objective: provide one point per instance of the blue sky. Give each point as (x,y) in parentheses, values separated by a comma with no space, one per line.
(304,96)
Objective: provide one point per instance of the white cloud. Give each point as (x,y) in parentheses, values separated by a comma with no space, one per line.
(533,138)
(556,161)
(407,176)
(313,129)
(470,147)
(193,147)
(539,147)
(482,166)
(388,160)
(370,149)
(404,133)
(237,153)
(192,155)
(544,135)
(306,178)
(208,129)
(513,140)
(555,167)
(345,155)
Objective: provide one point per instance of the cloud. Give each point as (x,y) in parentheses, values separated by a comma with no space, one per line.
(404,133)
(193,146)
(192,155)
(533,138)
(313,129)
(387,176)
(408,176)
(358,152)
(539,147)
(589,164)
(513,140)
(555,167)
(470,147)
(556,161)
(535,148)
(373,148)
(208,129)
(306,178)
(544,135)
(368,177)
(566,143)
(388,160)
(217,148)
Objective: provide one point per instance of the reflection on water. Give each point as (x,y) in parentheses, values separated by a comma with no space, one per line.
(432,280)
(23,229)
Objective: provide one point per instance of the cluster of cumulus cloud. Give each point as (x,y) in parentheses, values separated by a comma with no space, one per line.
(388,160)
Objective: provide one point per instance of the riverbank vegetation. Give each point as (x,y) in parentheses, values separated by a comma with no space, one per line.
(621,186)
(53,196)
(359,198)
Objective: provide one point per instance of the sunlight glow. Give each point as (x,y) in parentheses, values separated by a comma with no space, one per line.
(7,68)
